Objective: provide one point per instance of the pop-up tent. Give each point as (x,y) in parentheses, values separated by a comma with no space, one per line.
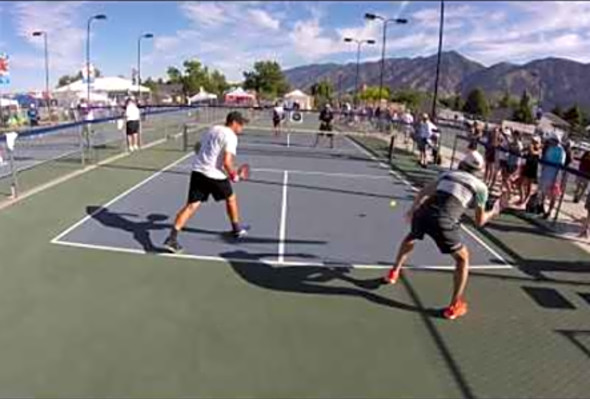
(297,96)
(202,96)
(239,96)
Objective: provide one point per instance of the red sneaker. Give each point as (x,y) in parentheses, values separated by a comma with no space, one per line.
(456,310)
(392,276)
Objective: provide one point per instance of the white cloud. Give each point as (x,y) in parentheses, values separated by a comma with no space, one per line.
(263,19)
(65,37)
(207,13)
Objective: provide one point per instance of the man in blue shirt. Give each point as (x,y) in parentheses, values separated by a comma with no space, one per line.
(553,160)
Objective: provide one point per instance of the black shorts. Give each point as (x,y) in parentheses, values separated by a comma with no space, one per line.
(276,122)
(202,186)
(132,127)
(443,231)
(422,144)
(327,128)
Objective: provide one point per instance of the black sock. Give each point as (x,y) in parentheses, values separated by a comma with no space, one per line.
(235,226)
(173,233)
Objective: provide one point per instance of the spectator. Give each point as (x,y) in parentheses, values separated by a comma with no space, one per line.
(503,149)
(407,125)
(513,162)
(586,222)
(425,130)
(554,157)
(33,115)
(530,171)
(492,143)
(582,181)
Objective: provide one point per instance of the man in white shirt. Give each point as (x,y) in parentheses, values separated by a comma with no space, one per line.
(407,125)
(278,114)
(132,116)
(213,173)
(425,131)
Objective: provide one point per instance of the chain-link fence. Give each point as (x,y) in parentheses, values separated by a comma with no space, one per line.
(43,154)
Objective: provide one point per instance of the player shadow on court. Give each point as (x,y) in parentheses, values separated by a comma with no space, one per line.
(315,280)
(141,229)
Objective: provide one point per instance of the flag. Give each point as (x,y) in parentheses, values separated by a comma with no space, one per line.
(4,69)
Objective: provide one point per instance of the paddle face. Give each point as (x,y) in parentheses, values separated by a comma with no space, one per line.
(244,171)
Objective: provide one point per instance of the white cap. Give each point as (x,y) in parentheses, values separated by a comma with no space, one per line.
(474,160)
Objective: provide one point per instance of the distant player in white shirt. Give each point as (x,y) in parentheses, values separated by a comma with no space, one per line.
(132,116)
(213,173)
(278,114)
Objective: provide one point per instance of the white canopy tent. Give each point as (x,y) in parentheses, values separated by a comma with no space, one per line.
(239,95)
(297,96)
(202,96)
(7,102)
(101,90)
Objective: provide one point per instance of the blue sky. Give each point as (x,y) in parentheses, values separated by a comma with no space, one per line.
(230,36)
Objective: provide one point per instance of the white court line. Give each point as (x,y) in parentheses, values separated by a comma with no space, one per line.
(463,227)
(311,172)
(267,261)
(288,139)
(118,197)
(283,225)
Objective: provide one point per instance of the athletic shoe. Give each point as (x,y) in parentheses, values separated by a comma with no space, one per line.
(241,231)
(392,276)
(456,310)
(172,245)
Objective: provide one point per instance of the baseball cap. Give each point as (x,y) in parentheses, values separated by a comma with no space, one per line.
(474,160)
(237,117)
(536,139)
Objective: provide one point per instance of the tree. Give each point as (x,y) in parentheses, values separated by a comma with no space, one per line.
(322,92)
(371,93)
(67,79)
(477,103)
(411,98)
(507,101)
(574,116)
(267,79)
(523,113)
(194,76)
(557,110)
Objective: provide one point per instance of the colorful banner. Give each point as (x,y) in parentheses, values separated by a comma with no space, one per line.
(4,69)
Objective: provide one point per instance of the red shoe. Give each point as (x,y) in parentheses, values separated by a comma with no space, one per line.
(456,310)
(392,276)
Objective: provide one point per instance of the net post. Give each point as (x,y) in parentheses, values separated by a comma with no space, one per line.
(13,174)
(454,151)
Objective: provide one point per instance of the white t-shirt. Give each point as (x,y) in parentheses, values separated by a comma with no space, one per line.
(426,129)
(279,111)
(131,112)
(214,144)
(408,119)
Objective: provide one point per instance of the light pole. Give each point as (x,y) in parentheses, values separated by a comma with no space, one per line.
(97,17)
(400,21)
(144,36)
(438,59)
(359,43)
(44,34)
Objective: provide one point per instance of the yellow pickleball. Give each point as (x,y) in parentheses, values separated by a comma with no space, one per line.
(393,204)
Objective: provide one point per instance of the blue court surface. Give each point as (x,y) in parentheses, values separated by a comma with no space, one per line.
(305,205)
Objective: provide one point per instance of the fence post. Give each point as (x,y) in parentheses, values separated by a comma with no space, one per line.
(13,173)
(82,151)
(185,138)
(563,189)
(454,151)
(391,147)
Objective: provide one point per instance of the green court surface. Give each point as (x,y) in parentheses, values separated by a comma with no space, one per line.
(78,322)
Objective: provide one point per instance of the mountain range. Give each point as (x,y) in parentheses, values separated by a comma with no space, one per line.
(559,81)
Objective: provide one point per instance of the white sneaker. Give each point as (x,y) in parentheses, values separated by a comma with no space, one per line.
(131,149)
